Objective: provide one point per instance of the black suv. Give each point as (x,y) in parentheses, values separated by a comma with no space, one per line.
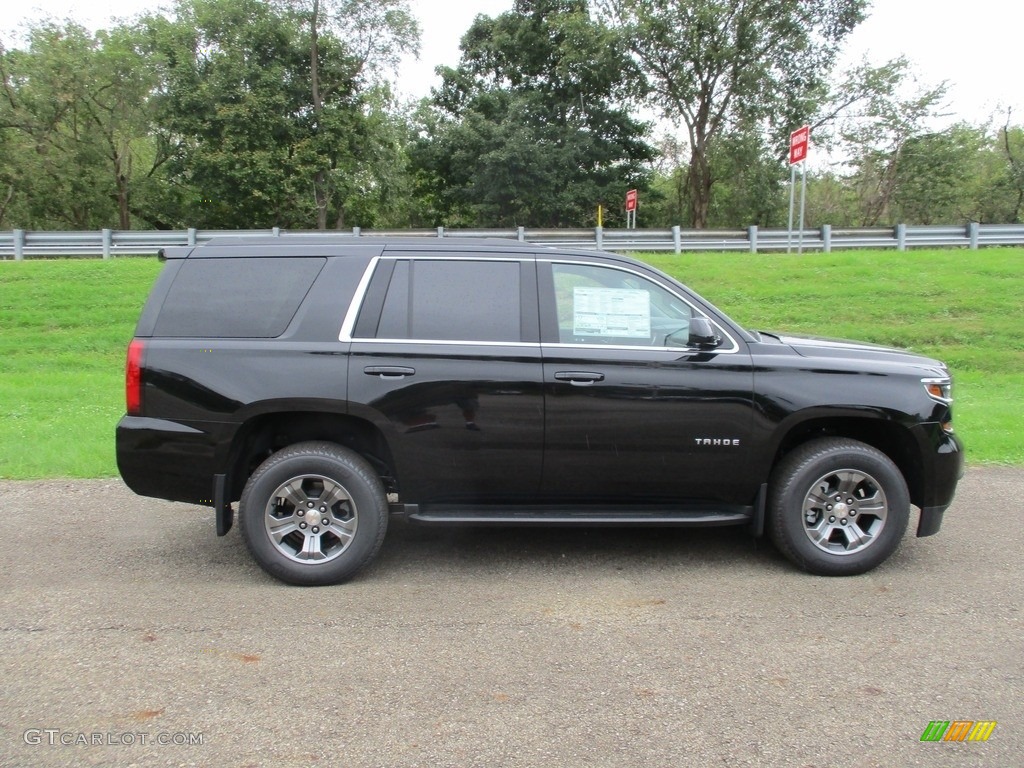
(327,382)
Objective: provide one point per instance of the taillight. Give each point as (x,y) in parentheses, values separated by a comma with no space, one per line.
(133,377)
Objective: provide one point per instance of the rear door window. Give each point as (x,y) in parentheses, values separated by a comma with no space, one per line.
(451,300)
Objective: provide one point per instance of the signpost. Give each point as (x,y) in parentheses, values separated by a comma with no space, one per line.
(798,141)
(631,200)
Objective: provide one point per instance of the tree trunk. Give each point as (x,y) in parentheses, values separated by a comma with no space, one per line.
(699,182)
(123,210)
(321,196)
(1016,168)
(7,202)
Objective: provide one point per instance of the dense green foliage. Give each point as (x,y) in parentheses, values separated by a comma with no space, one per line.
(65,325)
(75,129)
(260,113)
(226,113)
(530,128)
(718,66)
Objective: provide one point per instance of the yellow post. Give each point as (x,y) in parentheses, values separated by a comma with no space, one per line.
(599,216)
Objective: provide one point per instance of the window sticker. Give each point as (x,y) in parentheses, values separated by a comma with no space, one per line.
(620,312)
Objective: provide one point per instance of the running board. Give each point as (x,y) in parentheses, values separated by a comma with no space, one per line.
(562,515)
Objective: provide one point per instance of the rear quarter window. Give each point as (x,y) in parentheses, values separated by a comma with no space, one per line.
(236,298)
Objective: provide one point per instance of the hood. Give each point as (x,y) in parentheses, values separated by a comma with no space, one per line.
(859,352)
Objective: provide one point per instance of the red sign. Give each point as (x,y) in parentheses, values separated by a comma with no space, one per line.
(631,200)
(798,144)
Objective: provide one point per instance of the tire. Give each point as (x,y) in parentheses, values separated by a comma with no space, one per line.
(838,507)
(313,514)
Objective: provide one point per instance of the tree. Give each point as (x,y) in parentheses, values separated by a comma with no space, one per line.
(933,183)
(666,200)
(76,118)
(750,188)
(273,118)
(711,64)
(530,128)
(118,105)
(895,112)
(831,199)
(370,38)
(227,105)
(1011,145)
(44,116)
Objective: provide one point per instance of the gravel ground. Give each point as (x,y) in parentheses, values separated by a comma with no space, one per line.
(134,636)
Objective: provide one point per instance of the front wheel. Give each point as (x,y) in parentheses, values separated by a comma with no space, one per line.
(838,507)
(313,514)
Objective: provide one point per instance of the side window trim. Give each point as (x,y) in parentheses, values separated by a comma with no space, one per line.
(348,324)
(368,319)
(529,317)
(548,309)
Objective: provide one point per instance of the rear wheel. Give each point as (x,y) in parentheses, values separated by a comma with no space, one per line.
(838,507)
(313,514)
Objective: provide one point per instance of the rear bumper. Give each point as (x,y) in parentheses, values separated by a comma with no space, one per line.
(166,459)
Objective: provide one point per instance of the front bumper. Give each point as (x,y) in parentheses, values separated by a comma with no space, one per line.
(941,478)
(931,520)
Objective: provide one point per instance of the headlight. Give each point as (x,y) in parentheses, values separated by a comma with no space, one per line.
(939,389)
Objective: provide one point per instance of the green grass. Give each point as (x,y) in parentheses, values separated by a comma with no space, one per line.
(65,324)
(64,328)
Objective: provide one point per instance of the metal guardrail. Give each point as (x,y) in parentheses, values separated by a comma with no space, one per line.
(21,244)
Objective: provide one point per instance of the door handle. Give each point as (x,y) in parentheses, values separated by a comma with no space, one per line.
(579,378)
(389,371)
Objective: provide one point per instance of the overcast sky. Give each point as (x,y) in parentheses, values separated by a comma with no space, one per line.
(972,45)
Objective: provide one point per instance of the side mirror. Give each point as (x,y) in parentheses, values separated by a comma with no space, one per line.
(702,334)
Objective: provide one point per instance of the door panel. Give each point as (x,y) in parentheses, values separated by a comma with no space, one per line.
(650,426)
(446,361)
(465,425)
(629,419)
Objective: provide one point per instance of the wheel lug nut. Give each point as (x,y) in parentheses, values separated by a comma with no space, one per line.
(302,525)
(323,509)
(828,507)
(301,512)
(849,501)
(832,518)
(310,504)
(841,522)
(325,522)
(316,529)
